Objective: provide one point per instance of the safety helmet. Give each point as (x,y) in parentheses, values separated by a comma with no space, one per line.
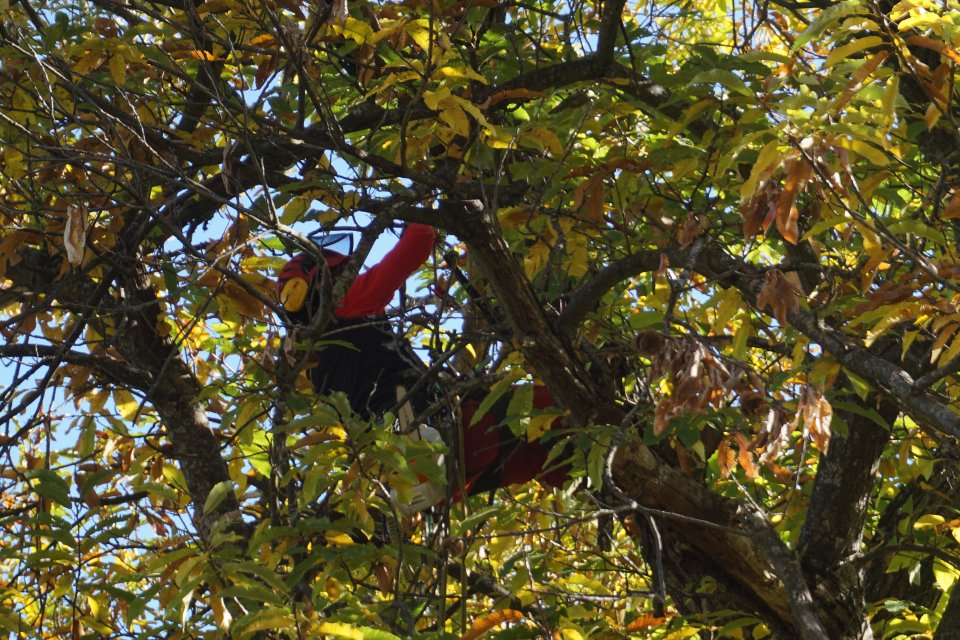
(298,279)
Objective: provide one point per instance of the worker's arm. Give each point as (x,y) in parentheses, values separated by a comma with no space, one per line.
(372,291)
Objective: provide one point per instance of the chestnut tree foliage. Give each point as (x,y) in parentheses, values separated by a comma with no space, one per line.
(722,234)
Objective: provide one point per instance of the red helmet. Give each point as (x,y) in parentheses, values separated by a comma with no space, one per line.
(297,279)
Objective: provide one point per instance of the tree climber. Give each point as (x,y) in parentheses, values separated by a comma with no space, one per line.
(364,359)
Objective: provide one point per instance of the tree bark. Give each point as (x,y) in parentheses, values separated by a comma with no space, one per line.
(830,541)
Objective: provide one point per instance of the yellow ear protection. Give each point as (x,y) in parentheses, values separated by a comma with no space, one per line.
(293,295)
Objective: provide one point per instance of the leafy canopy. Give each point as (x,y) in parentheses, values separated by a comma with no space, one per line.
(722,234)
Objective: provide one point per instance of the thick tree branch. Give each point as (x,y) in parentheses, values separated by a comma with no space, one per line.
(115,370)
(712,261)
(636,469)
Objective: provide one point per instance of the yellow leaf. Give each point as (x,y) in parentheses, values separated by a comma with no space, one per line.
(63,98)
(847,50)
(539,425)
(420,33)
(118,69)
(888,103)
(433,99)
(24,107)
(13,166)
(929,521)
(470,108)
(460,72)
(94,605)
(126,404)
(932,116)
(452,115)
(921,20)
(876,156)
(950,353)
(689,114)
(577,250)
(535,258)
(357,30)
(768,160)
(945,574)
(338,538)
(88,62)
(497,137)
(294,210)
(514,217)
(268,619)
(544,139)
(738,348)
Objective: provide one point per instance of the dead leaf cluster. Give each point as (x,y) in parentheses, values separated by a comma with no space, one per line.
(697,378)
(780,294)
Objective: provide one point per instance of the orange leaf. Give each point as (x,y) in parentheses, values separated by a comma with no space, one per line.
(588,197)
(644,621)
(952,210)
(726,458)
(857,79)
(798,172)
(484,623)
(744,456)
(935,45)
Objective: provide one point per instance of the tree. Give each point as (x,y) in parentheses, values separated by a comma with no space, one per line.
(721,234)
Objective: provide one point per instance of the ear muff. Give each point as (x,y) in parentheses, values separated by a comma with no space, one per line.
(293,295)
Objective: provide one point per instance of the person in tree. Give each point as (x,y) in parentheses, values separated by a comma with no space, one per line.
(376,370)
(361,356)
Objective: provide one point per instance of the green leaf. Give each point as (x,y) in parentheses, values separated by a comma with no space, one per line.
(51,486)
(496,392)
(217,495)
(519,409)
(826,19)
(725,78)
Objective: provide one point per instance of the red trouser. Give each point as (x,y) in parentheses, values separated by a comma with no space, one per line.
(494,457)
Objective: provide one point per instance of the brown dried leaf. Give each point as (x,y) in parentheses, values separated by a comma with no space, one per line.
(661,417)
(952,210)
(726,458)
(745,457)
(384,579)
(817,416)
(75,234)
(648,343)
(692,228)
(798,172)
(778,294)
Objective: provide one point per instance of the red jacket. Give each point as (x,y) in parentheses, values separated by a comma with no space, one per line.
(373,290)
